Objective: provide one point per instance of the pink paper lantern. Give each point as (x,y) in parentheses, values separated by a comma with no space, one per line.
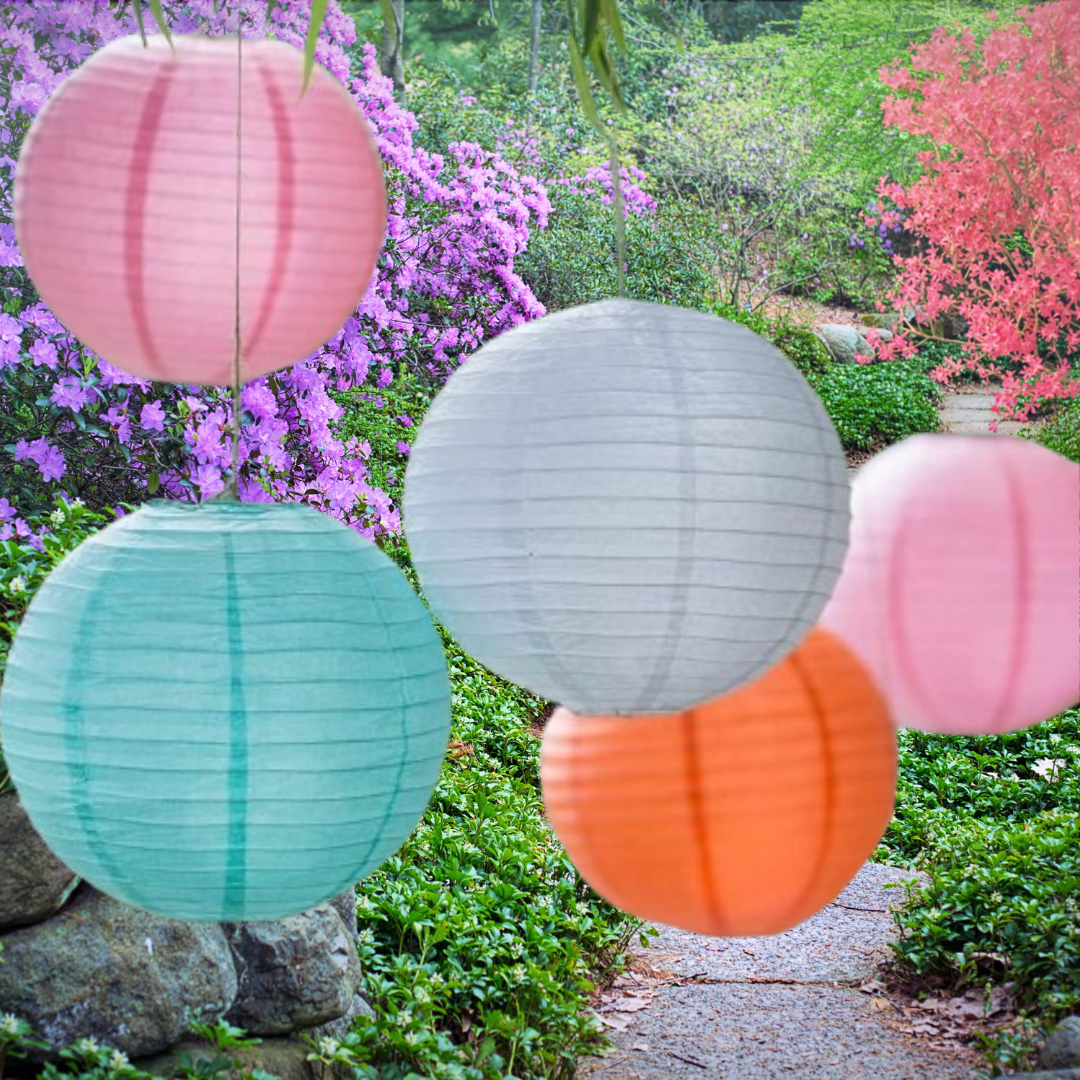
(134,198)
(961,587)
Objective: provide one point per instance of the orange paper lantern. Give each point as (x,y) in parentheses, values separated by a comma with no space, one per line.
(742,816)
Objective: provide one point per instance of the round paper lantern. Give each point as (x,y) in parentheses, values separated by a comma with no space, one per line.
(743,816)
(627,508)
(225,711)
(144,176)
(961,590)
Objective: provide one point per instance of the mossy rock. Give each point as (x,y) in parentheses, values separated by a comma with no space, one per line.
(282,1058)
(881,322)
(806,351)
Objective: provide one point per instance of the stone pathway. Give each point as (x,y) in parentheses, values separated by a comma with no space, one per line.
(789,1005)
(967,411)
(770,1007)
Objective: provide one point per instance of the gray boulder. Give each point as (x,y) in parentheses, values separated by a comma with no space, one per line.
(345,905)
(954,326)
(34,883)
(127,979)
(1062,1049)
(279,1057)
(882,322)
(843,342)
(339,1028)
(293,973)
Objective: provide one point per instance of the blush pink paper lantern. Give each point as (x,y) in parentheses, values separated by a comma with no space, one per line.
(152,169)
(961,587)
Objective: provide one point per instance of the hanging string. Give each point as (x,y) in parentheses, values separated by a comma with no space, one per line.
(232,489)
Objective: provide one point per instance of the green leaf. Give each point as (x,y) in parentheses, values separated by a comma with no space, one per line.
(159,18)
(137,8)
(588,105)
(318,15)
(388,15)
(153,483)
(270,5)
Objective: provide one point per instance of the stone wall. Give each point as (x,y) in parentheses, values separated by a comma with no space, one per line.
(78,964)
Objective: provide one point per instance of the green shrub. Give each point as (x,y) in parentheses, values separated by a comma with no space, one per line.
(376,416)
(805,350)
(801,346)
(572,261)
(945,778)
(867,403)
(1005,891)
(995,820)
(875,403)
(1061,432)
(479,939)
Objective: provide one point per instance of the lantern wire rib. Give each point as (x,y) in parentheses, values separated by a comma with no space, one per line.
(828,750)
(695,790)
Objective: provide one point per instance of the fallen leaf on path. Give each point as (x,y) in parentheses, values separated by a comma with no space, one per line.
(627,1005)
(959,1006)
(619,1023)
(872,987)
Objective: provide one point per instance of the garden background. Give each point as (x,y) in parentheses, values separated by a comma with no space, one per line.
(763,181)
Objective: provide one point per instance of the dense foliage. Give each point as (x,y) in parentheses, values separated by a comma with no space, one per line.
(995,819)
(994,205)
(479,940)
(71,422)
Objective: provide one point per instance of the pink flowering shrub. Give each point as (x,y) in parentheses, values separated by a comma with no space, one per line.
(446,282)
(996,205)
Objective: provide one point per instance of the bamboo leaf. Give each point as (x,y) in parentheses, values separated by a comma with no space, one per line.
(159,18)
(610,12)
(318,15)
(137,8)
(588,105)
(388,16)
(590,24)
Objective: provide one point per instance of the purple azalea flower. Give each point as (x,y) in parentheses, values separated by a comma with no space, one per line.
(152,416)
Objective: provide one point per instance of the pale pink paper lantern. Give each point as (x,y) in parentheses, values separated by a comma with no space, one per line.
(134,197)
(961,587)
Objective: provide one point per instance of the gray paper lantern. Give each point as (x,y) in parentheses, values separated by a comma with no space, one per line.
(627,508)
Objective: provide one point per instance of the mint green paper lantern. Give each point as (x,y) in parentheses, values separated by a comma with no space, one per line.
(227,711)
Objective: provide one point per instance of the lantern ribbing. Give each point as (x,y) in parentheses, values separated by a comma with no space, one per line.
(227,711)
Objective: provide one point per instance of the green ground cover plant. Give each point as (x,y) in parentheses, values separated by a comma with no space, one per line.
(995,821)
(871,404)
(1061,431)
(479,940)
